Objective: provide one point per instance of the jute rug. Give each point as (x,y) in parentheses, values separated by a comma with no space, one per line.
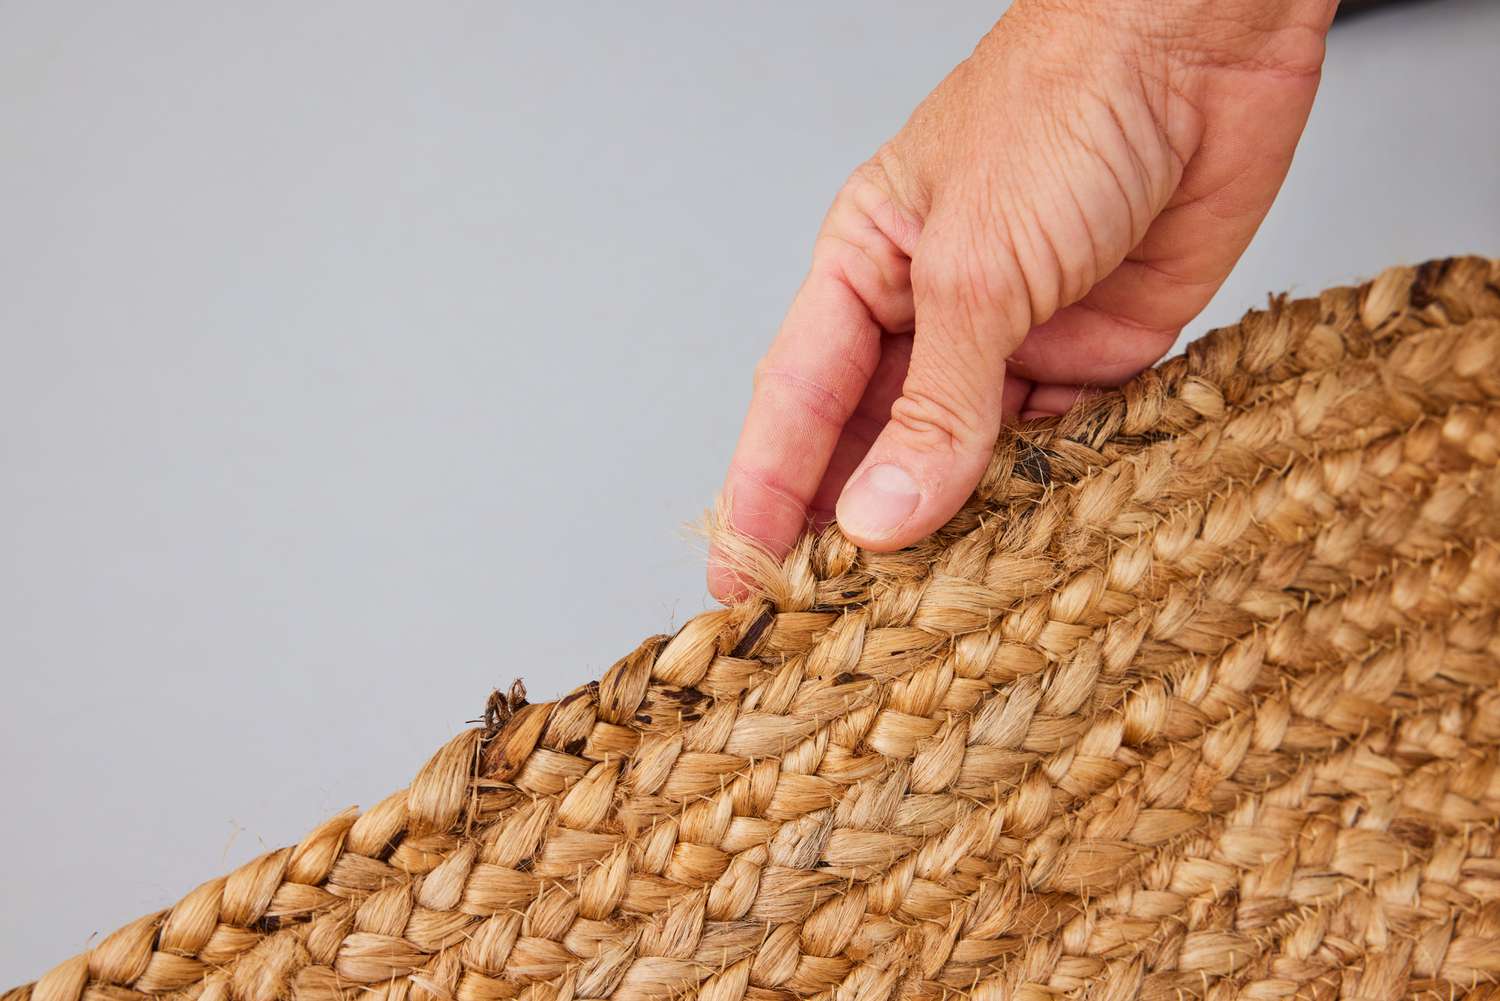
(1196,699)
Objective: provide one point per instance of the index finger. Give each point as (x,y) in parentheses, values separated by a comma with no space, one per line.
(806,388)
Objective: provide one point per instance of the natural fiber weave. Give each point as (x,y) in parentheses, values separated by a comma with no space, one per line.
(1196,699)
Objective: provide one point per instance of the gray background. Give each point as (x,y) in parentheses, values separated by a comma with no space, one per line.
(359,357)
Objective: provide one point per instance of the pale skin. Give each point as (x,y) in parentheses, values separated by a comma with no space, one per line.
(1047,222)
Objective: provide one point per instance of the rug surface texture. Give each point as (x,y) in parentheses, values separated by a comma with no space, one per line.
(1198,697)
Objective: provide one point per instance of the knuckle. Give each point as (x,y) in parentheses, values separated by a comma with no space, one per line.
(871,266)
(936,423)
(869,234)
(807,395)
(867,185)
(767,482)
(870,174)
(885,190)
(886,173)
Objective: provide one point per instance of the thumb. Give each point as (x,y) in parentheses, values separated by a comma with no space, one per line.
(942,429)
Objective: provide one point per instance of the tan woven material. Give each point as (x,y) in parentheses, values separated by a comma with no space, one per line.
(1196,699)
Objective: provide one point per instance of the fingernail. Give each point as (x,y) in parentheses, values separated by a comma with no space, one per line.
(876,503)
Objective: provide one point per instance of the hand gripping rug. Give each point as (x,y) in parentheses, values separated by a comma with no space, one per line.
(1199,697)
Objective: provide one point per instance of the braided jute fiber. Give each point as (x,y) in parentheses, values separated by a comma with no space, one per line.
(1199,697)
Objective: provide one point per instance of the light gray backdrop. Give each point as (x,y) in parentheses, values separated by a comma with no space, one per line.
(358,357)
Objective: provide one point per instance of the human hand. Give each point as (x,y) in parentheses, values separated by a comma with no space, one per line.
(1049,219)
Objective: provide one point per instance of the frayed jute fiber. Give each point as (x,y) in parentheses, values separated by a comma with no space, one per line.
(1199,697)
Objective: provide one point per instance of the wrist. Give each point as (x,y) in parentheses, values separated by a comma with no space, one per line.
(1177,35)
